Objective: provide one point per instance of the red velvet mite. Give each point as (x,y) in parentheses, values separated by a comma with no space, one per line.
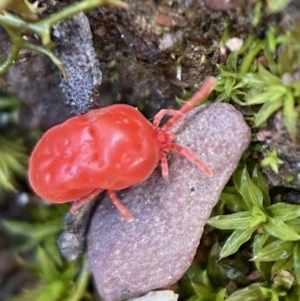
(106,149)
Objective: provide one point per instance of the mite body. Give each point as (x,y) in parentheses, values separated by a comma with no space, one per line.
(106,149)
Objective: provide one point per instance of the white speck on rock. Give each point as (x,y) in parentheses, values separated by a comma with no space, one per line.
(158,296)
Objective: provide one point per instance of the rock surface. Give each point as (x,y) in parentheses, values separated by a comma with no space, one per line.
(129,259)
(78,55)
(158,296)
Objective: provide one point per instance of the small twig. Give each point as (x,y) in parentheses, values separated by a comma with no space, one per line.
(17,28)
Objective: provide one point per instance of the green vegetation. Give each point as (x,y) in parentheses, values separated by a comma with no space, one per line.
(275,6)
(26,23)
(249,198)
(53,278)
(264,72)
(13,162)
(265,243)
(13,158)
(272,160)
(198,282)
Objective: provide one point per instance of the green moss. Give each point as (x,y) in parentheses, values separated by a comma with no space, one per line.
(54,277)
(272,160)
(258,235)
(264,72)
(13,163)
(275,6)
(13,157)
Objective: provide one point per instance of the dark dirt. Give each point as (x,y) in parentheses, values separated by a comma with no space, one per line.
(147,54)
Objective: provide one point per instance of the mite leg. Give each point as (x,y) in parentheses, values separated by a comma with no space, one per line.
(195,99)
(117,202)
(164,165)
(158,117)
(77,204)
(191,156)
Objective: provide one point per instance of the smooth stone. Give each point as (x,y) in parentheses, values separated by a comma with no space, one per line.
(129,259)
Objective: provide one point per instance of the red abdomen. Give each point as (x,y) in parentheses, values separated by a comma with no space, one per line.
(110,148)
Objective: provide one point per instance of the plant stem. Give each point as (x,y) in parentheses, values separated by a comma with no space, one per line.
(17,27)
(82,282)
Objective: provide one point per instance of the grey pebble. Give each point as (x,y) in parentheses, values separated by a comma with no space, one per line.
(153,251)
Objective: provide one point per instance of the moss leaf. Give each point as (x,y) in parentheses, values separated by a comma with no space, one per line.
(290,115)
(260,181)
(250,192)
(203,293)
(240,220)
(251,293)
(234,201)
(233,243)
(284,211)
(267,109)
(276,250)
(49,272)
(297,261)
(278,228)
